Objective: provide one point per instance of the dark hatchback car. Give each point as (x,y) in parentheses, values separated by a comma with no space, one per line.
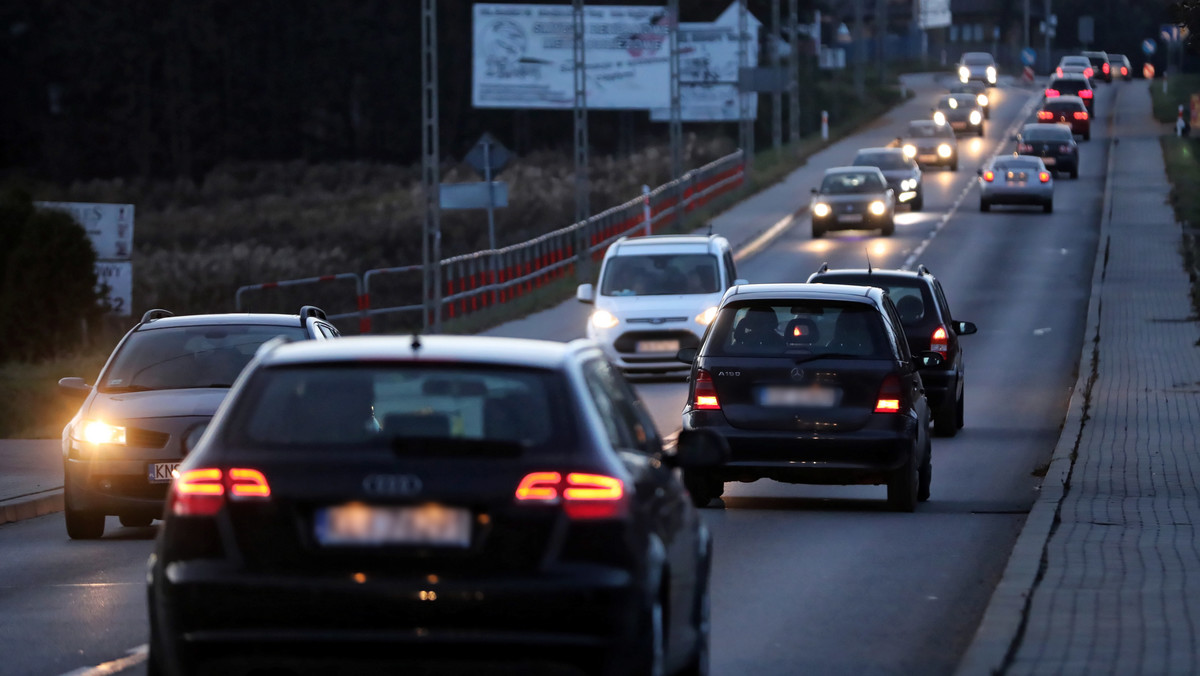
(1071,84)
(853,198)
(1100,64)
(813,384)
(977,89)
(1121,66)
(930,143)
(373,504)
(1068,110)
(1054,143)
(962,112)
(902,173)
(928,326)
(154,396)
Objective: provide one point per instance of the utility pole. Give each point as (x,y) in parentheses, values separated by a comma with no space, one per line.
(746,123)
(776,95)
(676,131)
(1025,24)
(860,89)
(881,22)
(431,236)
(1050,29)
(582,190)
(794,75)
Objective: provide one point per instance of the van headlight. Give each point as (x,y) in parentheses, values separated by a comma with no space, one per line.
(939,118)
(705,318)
(944,150)
(820,210)
(603,319)
(976,118)
(964,73)
(100,432)
(910,150)
(982,99)
(877,207)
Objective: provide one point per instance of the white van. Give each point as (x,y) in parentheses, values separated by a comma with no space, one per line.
(655,295)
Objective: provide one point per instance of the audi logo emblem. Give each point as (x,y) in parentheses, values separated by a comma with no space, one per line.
(392,484)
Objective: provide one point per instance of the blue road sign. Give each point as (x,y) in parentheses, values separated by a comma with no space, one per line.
(1028,56)
(1148,46)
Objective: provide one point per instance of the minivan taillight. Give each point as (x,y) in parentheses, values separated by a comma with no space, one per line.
(202,492)
(706,392)
(889,395)
(940,341)
(582,495)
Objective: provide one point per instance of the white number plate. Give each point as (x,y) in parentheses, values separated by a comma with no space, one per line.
(658,346)
(927,158)
(356,524)
(798,396)
(161,472)
(850,218)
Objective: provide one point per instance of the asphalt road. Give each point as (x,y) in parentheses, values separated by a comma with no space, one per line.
(808,579)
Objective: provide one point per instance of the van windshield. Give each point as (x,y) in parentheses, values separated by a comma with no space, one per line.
(660,275)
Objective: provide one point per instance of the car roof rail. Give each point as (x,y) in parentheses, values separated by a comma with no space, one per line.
(307,311)
(922,270)
(824,267)
(156,313)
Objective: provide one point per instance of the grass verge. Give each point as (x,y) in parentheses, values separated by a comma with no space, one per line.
(1182,159)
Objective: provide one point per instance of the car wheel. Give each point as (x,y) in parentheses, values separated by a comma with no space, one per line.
(818,232)
(1048,207)
(82,524)
(918,202)
(945,420)
(888,228)
(925,473)
(1075,172)
(702,487)
(954,165)
(650,656)
(699,664)
(961,418)
(902,486)
(135,521)
(984,205)
(1087,135)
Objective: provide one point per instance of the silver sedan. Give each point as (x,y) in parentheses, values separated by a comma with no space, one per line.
(1016,179)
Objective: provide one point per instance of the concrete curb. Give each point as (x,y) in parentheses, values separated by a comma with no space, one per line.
(30,506)
(999,633)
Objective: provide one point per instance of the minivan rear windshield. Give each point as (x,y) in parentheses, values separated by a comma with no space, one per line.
(799,328)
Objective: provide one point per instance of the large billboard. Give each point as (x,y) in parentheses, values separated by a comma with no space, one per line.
(934,14)
(524,57)
(708,70)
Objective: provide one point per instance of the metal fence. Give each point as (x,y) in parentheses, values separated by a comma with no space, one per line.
(482,279)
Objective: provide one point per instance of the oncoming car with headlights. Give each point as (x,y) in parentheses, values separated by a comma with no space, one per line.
(980,66)
(655,295)
(150,405)
(902,173)
(978,90)
(961,112)
(853,198)
(930,143)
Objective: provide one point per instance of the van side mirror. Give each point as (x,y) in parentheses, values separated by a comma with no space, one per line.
(964,328)
(586,293)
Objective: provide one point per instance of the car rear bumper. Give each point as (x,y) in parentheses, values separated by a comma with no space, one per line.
(1014,196)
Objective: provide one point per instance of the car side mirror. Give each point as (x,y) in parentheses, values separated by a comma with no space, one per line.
(979,171)
(75,387)
(586,293)
(965,328)
(1014,138)
(699,448)
(813,190)
(929,359)
(687,355)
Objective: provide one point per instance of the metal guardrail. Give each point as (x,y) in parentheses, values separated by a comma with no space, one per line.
(482,279)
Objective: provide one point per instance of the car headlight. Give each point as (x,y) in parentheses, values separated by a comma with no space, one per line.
(939,117)
(991,74)
(982,99)
(976,118)
(877,207)
(944,150)
(910,150)
(908,184)
(705,318)
(964,73)
(603,319)
(820,210)
(100,432)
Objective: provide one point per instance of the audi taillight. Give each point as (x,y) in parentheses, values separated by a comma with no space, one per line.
(1058,71)
(889,395)
(940,341)
(1081,115)
(202,492)
(989,175)
(706,392)
(1024,148)
(1104,67)
(1087,72)
(1045,115)
(1051,92)
(1085,93)
(581,495)
(1124,71)
(1044,176)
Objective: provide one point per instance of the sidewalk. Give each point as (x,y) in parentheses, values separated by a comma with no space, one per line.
(1102,577)
(31,478)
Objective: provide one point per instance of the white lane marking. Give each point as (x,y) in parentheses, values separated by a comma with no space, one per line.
(1041,332)
(135,656)
(1003,141)
(758,243)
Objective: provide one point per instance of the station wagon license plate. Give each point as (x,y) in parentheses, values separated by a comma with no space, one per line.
(359,525)
(798,396)
(161,472)
(658,346)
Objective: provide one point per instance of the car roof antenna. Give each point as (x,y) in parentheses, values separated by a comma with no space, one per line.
(416,344)
(869,269)
(710,227)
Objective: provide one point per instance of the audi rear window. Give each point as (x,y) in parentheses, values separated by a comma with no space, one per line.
(426,410)
(1047,132)
(799,328)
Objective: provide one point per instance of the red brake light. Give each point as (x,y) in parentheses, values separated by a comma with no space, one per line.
(1081,115)
(989,175)
(706,393)
(1044,176)
(201,492)
(1045,115)
(1104,67)
(1085,93)
(1051,92)
(940,341)
(1124,70)
(539,486)
(248,483)
(889,395)
(583,496)
(1087,72)
(1024,148)
(1059,71)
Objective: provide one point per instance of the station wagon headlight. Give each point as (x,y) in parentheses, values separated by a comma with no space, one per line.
(877,207)
(939,117)
(908,184)
(910,150)
(100,432)
(820,210)
(991,74)
(603,319)
(944,150)
(982,99)
(976,118)
(705,318)
(964,73)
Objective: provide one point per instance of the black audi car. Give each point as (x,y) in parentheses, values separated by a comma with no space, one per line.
(1054,143)
(928,325)
(374,504)
(813,384)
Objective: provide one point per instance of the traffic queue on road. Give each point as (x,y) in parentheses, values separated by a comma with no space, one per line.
(394,500)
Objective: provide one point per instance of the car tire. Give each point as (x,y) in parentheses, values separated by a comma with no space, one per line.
(702,487)
(136,521)
(699,664)
(82,524)
(954,165)
(902,486)
(984,205)
(925,473)
(888,228)
(945,420)
(961,418)
(1087,135)
(817,232)
(1048,207)
(649,657)
(1075,172)
(918,202)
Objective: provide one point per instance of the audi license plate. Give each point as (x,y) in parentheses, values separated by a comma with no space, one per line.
(927,158)
(658,346)
(161,472)
(798,396)
(850,218)
(429,525)
(1049,161)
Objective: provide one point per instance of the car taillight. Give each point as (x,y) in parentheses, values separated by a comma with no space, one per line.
(1081,115)
(1051,92)
(1104,67)
(706,392)
(1087,72)
(1124,71)
(989,175)
(1044,176)
(1058,71)
(1045,115)
(582,495)
(940,341)
(202,492)
(1085,93)
(889,395)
